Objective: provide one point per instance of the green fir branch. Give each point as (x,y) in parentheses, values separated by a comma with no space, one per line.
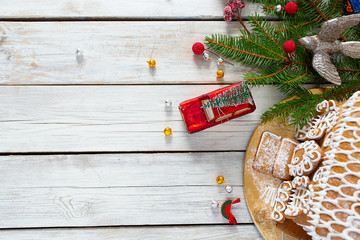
(263,50)
(299,111)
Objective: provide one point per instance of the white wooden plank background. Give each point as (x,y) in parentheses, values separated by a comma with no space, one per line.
(53,207)
(212,232)
(118,9)
(115,118)
(122,112)
(113,53)
(140,189)
(120,170)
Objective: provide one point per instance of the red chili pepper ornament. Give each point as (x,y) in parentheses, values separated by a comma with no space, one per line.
(226,208)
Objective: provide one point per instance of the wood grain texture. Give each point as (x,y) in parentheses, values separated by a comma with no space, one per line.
(138,233)
(114,119)
(118,189)
(54,207)
(113,53)
(120,170)
(118,9)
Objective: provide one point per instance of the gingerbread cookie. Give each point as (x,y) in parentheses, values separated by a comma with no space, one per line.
(266,152)
(306,158)
(281,201)
(335,188)
(283,158)
(300,201)
(327,117)
(325,106)
(327,206)
(302,181)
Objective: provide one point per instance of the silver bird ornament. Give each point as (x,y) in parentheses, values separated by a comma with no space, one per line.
(326,43)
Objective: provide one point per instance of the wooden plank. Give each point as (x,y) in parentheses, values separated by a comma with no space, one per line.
(115,118)
(122,189)
(121,9)
(54,207)
(213,232)
(120,170)
(113,52)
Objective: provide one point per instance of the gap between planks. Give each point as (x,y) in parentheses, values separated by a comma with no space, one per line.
(120,19)
(209,232)
(118,189)
(121,152)
(111,119)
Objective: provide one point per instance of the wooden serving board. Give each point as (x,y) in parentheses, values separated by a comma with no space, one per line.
(255,184)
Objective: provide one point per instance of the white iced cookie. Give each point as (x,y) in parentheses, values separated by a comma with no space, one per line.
(302,181)
(327,117)
(281,201)
(299,205)
(306,158)
(300,200)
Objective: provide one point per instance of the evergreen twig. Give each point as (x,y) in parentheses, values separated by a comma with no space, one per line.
(263,49)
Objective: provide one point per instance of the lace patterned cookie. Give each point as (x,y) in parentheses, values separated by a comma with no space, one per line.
(327,117)
(335,188)
(266,152)
(281,201)
(283,158)
(307,156)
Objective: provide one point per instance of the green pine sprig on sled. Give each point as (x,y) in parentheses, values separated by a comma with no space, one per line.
(262,48)
(232,97)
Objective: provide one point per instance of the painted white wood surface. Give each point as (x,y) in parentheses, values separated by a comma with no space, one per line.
(113,53)
(121,170)
(212,232)
(53,207)
(121,189)
(115,118)
(118,9)
(132,189)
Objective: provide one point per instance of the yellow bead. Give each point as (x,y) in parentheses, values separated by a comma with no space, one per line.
(220,74)
(151,63)
(167,131)
(220,179)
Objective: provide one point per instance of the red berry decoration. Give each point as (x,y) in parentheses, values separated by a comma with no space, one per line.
(291,8)
(227,10)
(231,10)
(289,46)
(227,18)
(198,48)
(233,7)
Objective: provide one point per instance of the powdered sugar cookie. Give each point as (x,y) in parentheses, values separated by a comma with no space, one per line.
(306,157)
(283,158)
(266,152)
